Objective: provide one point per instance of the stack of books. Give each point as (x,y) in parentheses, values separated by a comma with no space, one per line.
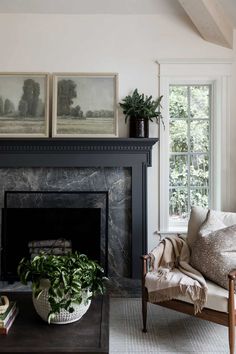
(7,318)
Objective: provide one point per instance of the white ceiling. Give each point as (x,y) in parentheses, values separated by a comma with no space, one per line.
(105,7)
(90,6)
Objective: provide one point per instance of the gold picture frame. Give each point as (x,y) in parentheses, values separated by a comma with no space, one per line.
(85,105)
(24,105)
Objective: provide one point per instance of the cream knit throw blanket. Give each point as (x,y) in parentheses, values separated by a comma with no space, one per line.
(170,274)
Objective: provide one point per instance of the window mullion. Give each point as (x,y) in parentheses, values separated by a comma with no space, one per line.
(188,138)
(210,149)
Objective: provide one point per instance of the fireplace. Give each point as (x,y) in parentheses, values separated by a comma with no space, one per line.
(54,222)
(116,166)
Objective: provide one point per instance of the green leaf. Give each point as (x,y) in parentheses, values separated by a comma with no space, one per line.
(37,293)
(51,316)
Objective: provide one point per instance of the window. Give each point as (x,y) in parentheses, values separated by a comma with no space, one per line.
(189,150)
(194,149)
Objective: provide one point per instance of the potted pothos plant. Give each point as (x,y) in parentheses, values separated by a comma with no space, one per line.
(62,285)
(140,109)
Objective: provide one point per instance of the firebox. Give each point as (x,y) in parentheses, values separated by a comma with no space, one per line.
(55,222)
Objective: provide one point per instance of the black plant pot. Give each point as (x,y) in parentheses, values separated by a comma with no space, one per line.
(138,128)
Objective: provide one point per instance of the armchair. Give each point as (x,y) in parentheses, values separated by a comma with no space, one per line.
(220,305)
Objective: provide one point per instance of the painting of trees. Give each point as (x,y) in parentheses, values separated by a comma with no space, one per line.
(84,105)
(77,112)
(24,104)
(8,107)
(65,93)
(30,104)
(1,106)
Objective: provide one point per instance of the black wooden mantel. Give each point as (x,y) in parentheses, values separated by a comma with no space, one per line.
(92,152)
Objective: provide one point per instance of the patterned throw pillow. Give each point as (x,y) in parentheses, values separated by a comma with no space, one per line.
(214,253)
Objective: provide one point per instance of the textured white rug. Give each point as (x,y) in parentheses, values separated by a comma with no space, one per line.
(168,331)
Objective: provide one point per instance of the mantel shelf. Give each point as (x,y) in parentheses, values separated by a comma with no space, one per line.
(78,144)
(10,148)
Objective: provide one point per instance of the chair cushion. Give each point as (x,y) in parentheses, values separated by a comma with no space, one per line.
(217,298)
(214,253)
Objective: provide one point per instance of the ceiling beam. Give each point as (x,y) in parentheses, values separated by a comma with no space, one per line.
(210,20)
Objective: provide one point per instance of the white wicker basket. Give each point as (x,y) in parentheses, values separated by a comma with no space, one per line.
(43,307)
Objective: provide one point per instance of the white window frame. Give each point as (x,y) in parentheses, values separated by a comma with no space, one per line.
(210,72)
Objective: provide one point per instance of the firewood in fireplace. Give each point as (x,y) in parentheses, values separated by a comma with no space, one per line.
(57,247)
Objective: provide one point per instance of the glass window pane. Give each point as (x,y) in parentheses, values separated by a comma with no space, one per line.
(178,102)
(199,197)
(199,170)
(189,136)
(178,207)
(178,170)
(178,136)
(199,136)
(199,101)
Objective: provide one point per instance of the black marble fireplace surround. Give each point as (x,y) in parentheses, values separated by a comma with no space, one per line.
(117,166)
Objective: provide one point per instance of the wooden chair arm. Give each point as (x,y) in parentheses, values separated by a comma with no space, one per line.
(145,258)
(232,274)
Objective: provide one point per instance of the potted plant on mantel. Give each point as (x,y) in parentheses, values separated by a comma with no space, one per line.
(141,109)
(62,285)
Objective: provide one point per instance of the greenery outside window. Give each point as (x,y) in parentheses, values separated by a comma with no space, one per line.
(189,150)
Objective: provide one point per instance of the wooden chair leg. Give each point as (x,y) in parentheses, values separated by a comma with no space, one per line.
(144,313)
(231,339)
(231,317)
(145,259)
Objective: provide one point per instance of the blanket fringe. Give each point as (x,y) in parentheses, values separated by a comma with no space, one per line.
(197,295)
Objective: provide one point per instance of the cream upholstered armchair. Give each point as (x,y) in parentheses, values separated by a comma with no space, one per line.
(220,303)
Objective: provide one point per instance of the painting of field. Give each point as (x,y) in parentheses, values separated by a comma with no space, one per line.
(84,105)
(24,105)
(85,126)
(14,126)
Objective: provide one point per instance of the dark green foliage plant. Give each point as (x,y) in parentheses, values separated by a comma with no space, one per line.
(140,106)
(69,277)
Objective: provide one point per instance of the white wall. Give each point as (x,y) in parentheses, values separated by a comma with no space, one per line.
(232,202)
(127,44)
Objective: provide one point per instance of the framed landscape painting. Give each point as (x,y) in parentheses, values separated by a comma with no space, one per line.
(24,104)
(84,105)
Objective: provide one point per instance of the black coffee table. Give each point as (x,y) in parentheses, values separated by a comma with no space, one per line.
(30,334)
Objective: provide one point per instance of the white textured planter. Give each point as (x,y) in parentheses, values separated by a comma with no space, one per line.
(43,307)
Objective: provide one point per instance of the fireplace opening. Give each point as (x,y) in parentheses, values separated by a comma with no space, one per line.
(57,222)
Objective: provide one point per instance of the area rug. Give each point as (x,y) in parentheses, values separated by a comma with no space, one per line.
(168,331)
